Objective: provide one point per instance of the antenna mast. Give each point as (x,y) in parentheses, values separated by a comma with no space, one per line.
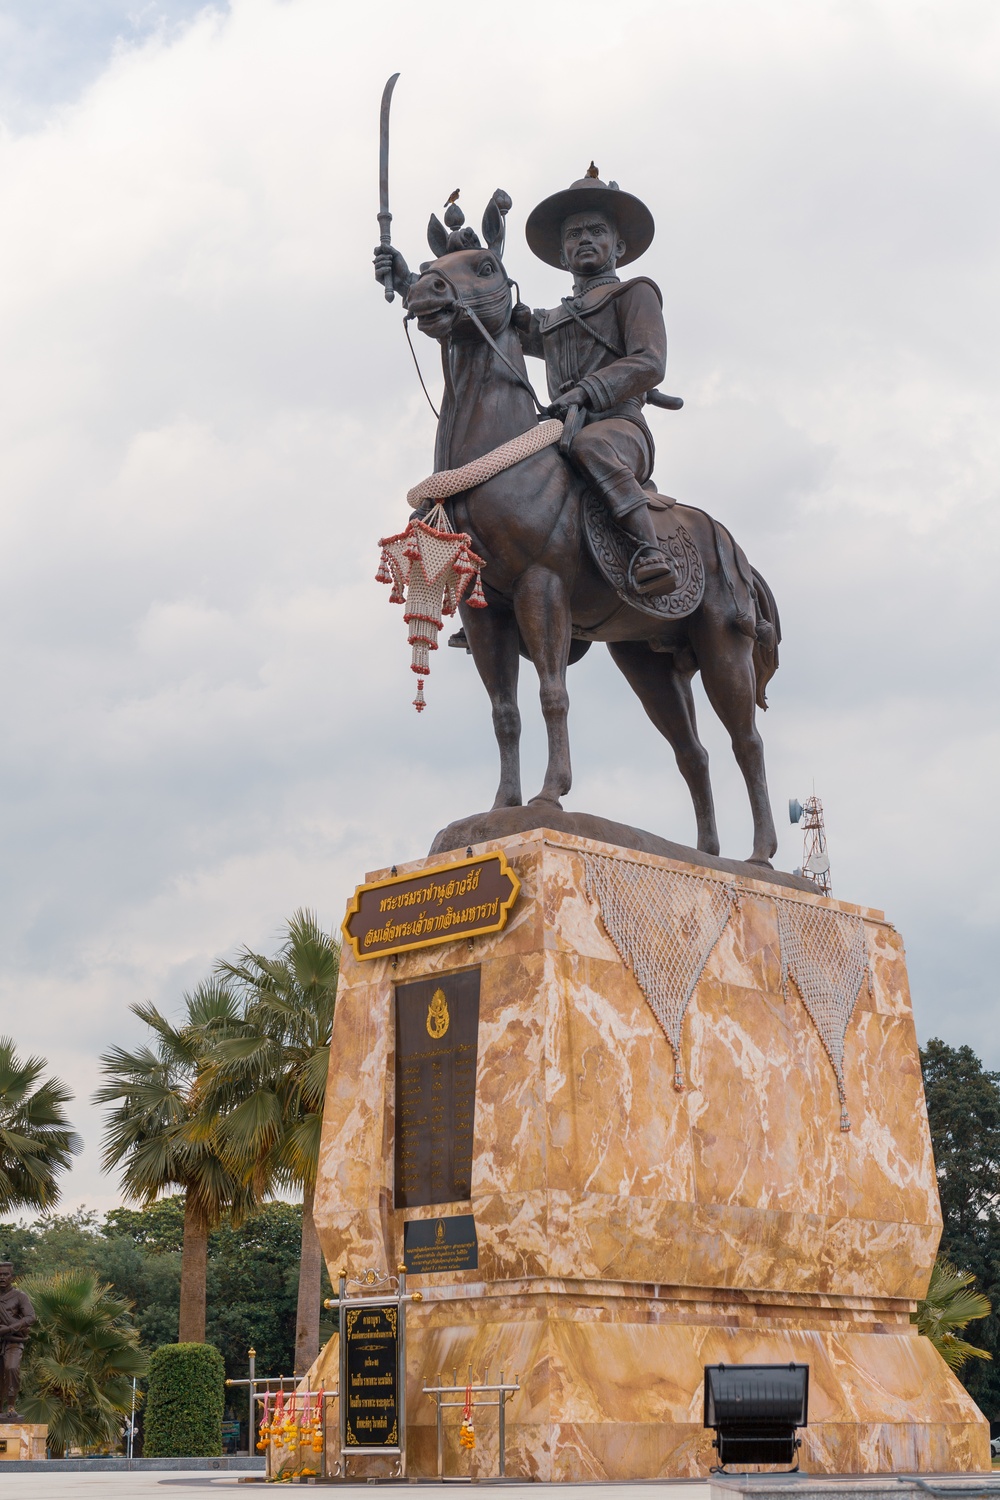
(815,856)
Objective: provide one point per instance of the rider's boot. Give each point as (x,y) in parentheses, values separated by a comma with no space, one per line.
(651,571)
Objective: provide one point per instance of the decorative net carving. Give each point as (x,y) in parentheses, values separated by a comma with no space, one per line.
(824,954)
(664,925)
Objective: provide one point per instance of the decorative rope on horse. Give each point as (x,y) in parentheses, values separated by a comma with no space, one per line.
(453,481)
(429,566)
(664,925)
(824,954)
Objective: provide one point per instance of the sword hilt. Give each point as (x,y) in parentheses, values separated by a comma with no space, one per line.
(385,239)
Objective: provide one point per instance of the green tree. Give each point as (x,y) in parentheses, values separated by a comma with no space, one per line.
(963,1106)
(55,1242)
(80,1361)
(269,1081)
(951,1304)
(37,1141)
(163,1132)
(252,1273)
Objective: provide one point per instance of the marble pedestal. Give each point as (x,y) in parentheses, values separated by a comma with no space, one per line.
(25,1441)
(629,1234)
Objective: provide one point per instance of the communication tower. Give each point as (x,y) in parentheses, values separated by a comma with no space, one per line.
(815,856)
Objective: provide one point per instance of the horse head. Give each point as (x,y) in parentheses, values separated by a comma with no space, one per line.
(466,275)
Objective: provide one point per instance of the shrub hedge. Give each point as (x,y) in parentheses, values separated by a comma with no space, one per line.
(184,1402)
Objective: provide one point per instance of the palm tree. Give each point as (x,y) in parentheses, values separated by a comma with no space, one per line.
(950,1304)
(37,1141)
(270,1083)
(80,1361)
(164,1132)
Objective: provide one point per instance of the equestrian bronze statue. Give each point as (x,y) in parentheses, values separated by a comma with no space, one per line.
(578,544)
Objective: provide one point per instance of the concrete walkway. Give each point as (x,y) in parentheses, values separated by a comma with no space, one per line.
(228,1486)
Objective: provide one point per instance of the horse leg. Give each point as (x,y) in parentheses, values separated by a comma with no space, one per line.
(493,640)
(727,670)
(666,696)
(541,604)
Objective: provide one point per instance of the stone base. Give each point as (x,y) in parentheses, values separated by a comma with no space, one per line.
(23,1440)
(630,1233)
(612,1387)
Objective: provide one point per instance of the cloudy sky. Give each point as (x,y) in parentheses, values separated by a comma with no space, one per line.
(208,416)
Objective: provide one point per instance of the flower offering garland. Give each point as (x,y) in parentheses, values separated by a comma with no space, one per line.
(430,568)
(467,1431)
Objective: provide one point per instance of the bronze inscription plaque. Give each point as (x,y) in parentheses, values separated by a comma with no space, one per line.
(435,905)
(433,1246)
(437,1029)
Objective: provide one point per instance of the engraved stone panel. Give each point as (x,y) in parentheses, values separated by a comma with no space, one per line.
(437,1027)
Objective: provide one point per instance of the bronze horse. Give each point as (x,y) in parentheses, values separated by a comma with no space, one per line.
(546,596)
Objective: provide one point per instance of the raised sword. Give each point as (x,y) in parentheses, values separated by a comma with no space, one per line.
(384,216)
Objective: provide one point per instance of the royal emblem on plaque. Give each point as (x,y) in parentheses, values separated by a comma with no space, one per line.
(437,1015)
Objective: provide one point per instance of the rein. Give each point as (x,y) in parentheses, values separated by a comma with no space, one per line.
(484,333)
(416,366)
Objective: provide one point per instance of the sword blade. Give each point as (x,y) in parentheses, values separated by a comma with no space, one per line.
(384,216)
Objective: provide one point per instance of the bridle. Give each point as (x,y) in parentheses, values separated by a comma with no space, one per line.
(470,312)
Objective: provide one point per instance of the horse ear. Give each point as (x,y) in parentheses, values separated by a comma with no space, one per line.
(492,225)
(437,235)
(494,220)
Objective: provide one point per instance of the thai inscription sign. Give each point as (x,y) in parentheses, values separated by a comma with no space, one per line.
(431,1246)
(371,1365)
(432,906)
(437,1030)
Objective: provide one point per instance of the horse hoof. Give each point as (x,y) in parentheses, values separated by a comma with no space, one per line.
(542,801)
(764,863)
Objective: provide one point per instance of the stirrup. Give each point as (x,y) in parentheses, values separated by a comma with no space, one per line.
(665,584)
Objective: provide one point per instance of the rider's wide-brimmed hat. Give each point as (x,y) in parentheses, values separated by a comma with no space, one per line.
(543,230)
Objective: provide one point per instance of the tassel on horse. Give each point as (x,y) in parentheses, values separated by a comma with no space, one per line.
(430,568)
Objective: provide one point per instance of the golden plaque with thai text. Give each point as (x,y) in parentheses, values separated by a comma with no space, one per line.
(468,898)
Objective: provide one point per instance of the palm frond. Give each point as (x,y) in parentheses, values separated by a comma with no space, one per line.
(951,1303)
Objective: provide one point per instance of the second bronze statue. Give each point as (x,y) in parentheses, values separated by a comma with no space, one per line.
(551,581)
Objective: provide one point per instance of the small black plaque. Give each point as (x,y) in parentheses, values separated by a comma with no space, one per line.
(437,1031)
(371,1396)
(431,1246)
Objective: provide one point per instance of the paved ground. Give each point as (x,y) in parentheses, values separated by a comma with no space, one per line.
(228,1487)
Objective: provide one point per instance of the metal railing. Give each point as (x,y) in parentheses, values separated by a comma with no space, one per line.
(503,1392)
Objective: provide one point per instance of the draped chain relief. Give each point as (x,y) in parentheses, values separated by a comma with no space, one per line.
(824,954)
(665,925)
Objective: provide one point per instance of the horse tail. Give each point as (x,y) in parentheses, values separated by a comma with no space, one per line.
(763,626)
(767,636)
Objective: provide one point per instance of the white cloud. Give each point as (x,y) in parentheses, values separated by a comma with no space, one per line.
(208,416)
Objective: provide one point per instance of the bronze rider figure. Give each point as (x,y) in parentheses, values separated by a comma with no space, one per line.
(605,349)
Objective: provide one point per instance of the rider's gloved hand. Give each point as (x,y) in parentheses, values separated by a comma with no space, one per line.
(577,396)
(521,317)
(389,260)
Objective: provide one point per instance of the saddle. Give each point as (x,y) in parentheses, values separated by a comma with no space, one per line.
(612,549)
